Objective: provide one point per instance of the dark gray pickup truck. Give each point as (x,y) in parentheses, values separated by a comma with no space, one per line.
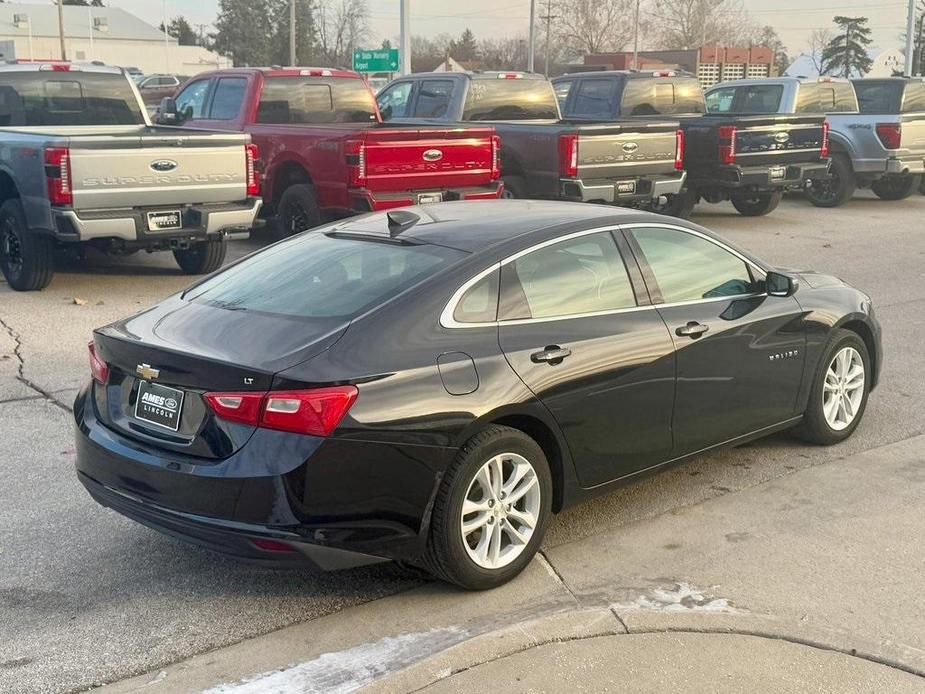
(747,159)
(631,163)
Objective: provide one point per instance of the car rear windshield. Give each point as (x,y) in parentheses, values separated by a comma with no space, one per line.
(661,96)
(300,99)
(67,98)
(323,276)
(879,96)
(510,99)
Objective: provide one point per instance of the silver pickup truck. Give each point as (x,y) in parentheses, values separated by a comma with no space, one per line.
(80,163)
(876,128)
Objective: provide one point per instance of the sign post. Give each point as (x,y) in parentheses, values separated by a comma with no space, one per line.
(376,60)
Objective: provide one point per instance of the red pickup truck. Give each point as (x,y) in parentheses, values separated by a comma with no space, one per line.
(326,152)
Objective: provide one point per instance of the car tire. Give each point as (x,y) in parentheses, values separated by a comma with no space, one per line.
(838,189)
(514,187)
(27,258)
(816,426)
(297,210)
(895,187)
(450,553)
(756,204)
(202,257)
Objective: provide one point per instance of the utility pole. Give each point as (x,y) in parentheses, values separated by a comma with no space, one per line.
(202,33)
(292,57)
(910,27)
(532,34)
(549,17)
(166,41)
(636,39)
(404,48)
(90,35)
(61,28)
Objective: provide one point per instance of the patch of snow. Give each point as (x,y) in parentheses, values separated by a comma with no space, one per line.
(681,597)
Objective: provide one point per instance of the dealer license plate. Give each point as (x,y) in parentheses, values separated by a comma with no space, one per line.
(165,219)
(778,173)
(424,198)
(160,405)
(626,187)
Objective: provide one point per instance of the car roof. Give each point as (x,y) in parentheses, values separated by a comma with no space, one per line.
(473,226)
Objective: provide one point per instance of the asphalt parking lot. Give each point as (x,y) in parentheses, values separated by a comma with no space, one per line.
(87,597)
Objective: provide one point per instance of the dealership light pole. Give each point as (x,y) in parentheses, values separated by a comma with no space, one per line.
(910,27)
(404,41)
(532,36)
(292,58)
(166,41)
(61,28)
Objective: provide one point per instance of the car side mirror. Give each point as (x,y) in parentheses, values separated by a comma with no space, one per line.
(779,284)
(167,112)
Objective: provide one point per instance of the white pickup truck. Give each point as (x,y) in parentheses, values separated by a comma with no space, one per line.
(80,163)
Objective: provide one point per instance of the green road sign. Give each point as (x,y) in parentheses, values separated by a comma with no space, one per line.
(382,60)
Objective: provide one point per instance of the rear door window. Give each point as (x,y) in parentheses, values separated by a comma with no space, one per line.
(321,275)
(594,99)
(228,98)
(510,99)
(433,99)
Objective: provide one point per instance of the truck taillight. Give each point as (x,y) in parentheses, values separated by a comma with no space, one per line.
(355,154)
(495,157)
(58,176)
(317,411)
(679,151)
(568,156)
(824,149)
(727,144)
(890,134)
(251,158)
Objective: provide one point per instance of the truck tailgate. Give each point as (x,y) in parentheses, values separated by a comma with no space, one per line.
(428,158)
(912,141)
(625,150)
(770,141)
(160,168)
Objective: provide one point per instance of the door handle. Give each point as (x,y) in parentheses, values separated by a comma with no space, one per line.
(692,330)
(552,354)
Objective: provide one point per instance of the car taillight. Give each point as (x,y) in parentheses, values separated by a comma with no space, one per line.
(251,158)
(317,411)
(679,151)
(890,134)
(355,153)
(727,144)
(58,176)
(824,149)
(495,157)
(568,156)
(98,368)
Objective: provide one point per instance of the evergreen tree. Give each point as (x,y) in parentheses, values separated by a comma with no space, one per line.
(846,54)
(180,29)
(244,30)
(465,48)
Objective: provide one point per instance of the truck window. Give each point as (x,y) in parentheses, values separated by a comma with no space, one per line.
(67,98)
(720,100)
(228,98)
(878,96)
(307,100)
(592,99)
(562,89)
(191,101)
(515,99)
(393,101)
(811,99)
(433,99)
(659,96)
(763,98)
(914,98)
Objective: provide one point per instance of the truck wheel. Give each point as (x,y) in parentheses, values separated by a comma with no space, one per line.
(680,205)
(838,189)
(514,187)
(26,257)
(756,204)
(922,186)
(203,257)
(895,187)
(297,210)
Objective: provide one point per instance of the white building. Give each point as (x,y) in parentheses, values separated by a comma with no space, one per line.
(113,36)
(886,63)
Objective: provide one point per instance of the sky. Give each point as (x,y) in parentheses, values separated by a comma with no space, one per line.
(794,20)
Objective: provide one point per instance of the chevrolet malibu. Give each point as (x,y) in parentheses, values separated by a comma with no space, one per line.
(431,384)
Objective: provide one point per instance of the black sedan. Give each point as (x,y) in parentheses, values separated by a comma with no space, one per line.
(432,383)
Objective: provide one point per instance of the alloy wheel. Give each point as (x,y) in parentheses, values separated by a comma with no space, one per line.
(11,247)
(843,388)
(298,218)
(500,511)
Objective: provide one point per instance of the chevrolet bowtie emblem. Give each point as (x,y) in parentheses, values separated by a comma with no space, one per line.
(146,372)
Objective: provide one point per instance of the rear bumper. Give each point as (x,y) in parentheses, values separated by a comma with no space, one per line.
(795,176)
(644,188)
(363,200)
(199,221)
(887,165)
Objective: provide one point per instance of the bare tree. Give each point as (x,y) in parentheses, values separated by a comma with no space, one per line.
(818,40)
(504,54)
(687,24)
(342,26)
(594,26)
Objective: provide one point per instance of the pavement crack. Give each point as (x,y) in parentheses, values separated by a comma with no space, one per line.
(21,368)
(554,572)
(613,611)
